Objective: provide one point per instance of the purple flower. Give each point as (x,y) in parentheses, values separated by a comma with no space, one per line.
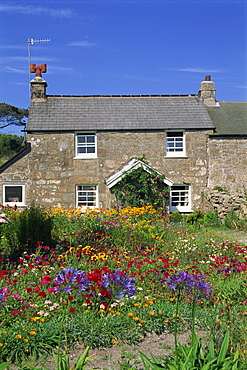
(119,285)
(194,285)
(71,278)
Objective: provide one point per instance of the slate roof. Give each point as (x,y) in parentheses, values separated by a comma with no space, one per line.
(230,118)
(82,113)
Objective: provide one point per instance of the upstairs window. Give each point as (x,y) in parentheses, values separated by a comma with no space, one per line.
(175,144)
(13,195)
(86,196)
(86,145)
(180,198)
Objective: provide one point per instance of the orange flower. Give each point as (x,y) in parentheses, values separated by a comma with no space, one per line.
(130,314)
(25,340)
(18,336)
(151,313)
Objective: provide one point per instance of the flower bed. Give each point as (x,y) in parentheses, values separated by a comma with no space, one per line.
(113,275)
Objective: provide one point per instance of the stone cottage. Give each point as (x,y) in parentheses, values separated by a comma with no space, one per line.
(80,147)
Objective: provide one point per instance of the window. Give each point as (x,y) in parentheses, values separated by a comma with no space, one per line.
(86,145)
(175,144)
(13,195)
(86,196)
(180,198)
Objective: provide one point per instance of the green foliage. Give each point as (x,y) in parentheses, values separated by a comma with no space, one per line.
(9,146)
(26,229)
(195,357)
(141,187)
(176,217)
(232,221)
(11,115)
(33,226)
(211,219)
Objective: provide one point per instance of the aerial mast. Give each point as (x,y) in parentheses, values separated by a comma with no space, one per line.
(30,42)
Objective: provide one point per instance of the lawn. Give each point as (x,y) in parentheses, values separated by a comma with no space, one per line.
(109,276)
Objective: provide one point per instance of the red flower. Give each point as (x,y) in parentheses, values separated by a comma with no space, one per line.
(72,310)
(36,290)
(42,294)
(15,312)
(51,290)
(70,298)
(28,290)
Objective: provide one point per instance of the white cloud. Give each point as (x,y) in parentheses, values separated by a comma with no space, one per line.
(17,70)
(84,44)
(33,10)
(196,70)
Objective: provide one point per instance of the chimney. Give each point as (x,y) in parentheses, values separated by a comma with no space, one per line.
(38,84)
(207,92)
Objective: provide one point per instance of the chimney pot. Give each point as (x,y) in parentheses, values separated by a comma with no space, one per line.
(208,78)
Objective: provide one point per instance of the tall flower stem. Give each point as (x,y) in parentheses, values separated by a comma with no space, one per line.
(176,320)
(193,317)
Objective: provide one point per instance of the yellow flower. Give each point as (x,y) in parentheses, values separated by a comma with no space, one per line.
(18,336)
(136,304)
(135,318)
(113,341)
(171,299)
(130,314)
(151,313)
(1,344)
(35,318)
(117,313)
(176,315)
(25,340)
(32,332)
(101,310)
(150,302)
(141,321)
(145,305)
(160,312)
(4,332)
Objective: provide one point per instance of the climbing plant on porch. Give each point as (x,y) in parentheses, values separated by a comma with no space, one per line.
(142,186)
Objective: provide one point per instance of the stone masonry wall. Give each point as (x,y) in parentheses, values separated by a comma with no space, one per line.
(228,163)
(51,171)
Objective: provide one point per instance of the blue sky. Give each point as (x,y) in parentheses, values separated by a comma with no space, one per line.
(123,47)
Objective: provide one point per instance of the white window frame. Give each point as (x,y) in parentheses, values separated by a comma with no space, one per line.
(87,145)
(83,188)
(180,198)
(175,145)
(14,202)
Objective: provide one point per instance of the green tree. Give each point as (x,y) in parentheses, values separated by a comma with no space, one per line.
(9,146)
(10,115)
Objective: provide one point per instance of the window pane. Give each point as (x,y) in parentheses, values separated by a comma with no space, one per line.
(90,139)
(13,193)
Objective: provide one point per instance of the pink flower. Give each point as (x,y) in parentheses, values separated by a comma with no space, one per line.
(51,290)
(15,295)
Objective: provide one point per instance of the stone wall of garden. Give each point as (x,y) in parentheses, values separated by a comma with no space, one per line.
(224,202)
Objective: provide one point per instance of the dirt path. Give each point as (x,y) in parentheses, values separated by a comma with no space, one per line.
(233,235)
(125,355)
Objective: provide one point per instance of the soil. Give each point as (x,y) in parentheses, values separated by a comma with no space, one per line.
(125,355)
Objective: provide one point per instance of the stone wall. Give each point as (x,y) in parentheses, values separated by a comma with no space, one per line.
(224,202)
(51,171)
(228,163)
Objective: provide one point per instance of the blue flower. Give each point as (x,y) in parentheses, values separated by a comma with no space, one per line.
(194,285)
(119,285)
(71,278)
